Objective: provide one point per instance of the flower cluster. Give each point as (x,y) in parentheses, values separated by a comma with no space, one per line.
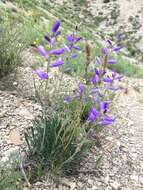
(99,88)
(57,54)
(96,89)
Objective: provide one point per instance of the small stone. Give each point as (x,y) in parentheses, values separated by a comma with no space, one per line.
(90,181)
(72,185)
(106,179)
(134,177)
(15,83)
(115,185)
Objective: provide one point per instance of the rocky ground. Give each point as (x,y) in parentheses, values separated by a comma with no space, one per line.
(121,166)
(109,18)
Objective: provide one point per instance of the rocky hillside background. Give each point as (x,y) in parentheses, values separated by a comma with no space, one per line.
(101,17)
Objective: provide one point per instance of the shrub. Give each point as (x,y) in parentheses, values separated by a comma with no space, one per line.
(11,46)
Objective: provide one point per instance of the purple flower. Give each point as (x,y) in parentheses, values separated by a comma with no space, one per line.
(53,41)
(95,99)
(93,115)
(104,51)
(108,120)
(67,99)
(58,33)
(99,72)
(57,51)
(41,74)
(108,79)
(117,49)
(116,76)
(81,89)
(73,56)
(58,63)
(93,90)
(95,79)
(42,51)
(76,47)
(111,61)
(56,26)
(104,106)
(69,38)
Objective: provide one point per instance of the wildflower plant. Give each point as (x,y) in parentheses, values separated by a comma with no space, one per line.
(64,137)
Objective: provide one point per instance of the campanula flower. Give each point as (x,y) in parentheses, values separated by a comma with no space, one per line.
(93,115)
(56,26)
(104,106)
(58,33)
(58,63)
(69,39)
(57,51)
(95,79)
(41,74)
(42,51)
(67,99)
(81,89)
(108,79)
(76,47)
(111,61)
(104,51)
(93,90)
(73,56)
(72,40)
(108,120)
(95,99)
(117,49)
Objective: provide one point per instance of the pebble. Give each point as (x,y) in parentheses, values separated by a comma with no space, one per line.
(115,185)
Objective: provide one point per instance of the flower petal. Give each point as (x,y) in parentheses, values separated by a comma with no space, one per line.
(108,120)
(104,51)
(81,89)
(41,74)
(57,51)
(57,63)
(93,114)
(42,51)
(56,26)
(111,61)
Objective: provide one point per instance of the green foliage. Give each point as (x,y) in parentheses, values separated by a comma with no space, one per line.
(57,142)
(33,31)
(10,178)
(123,66)
(11,46)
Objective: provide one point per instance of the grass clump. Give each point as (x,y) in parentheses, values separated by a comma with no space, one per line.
(55,142)
(123,66)
(11,46)
(10,177)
